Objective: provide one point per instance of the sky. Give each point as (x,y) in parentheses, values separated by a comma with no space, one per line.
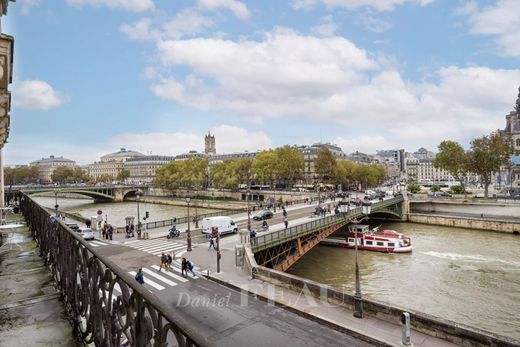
(93,76)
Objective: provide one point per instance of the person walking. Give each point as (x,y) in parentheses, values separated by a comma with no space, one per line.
(164,262)
(139,276)
(169,261)
(286,222)
(184,267)
(212,243)
(110,231)
(189,267)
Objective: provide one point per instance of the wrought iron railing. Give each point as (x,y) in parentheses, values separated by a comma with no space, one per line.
(105,303)
(264,241)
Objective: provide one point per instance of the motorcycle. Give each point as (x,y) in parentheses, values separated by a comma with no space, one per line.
(173,233)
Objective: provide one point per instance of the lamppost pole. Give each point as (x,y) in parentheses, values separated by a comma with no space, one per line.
(189,229)
(137,197)
(358,299)
(248,196)
(196,214)
(56,206)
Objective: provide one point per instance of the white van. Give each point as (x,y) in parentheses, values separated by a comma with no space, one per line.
(224,224)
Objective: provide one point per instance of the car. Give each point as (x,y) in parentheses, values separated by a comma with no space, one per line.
(435,194)
(73,226)
(264,214)
(86,233)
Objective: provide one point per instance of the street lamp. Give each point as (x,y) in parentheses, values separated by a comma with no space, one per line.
(196,214)
(189,230)
(358,300)
(248,194)
(137,198)
(56,206)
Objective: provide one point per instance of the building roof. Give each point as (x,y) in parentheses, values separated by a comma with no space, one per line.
(51,159)
(121,155)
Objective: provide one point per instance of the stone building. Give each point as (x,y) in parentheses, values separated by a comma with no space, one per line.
(310,153)
(209,144)
(112,164)
(143,168)
(510,176)
(46,166)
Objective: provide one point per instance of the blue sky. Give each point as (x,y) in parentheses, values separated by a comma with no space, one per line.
(91,76)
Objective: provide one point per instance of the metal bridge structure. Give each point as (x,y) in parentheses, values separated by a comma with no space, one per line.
(98,193)
(279,250)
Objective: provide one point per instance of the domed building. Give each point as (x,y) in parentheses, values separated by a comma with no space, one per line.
(112,164)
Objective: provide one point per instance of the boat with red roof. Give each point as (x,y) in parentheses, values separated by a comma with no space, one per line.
(389,241)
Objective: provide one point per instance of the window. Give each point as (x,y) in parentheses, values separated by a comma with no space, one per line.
(350,239)
(391,244)
(380,243)
(517,142)
(368,242)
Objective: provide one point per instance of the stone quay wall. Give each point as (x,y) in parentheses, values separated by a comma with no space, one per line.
(465,222)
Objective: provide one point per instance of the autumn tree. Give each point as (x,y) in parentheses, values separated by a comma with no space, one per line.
(224,175)
(264,167)
(123,175)
(452,158)
(487,154)
(20,175)
(289,164)
(325,164)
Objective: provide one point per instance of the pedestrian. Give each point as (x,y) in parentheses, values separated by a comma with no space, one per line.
(169,261)
(88,223)
(104,231)
(212,243)
(110,231)
(127,228)
(184,267)
(139,276)
(164,261)
(252,234)
(189,266)
(286,222)
(131,230)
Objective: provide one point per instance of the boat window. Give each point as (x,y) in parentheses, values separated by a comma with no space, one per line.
(380,243)
(391,244)
(350,239)
(368,242)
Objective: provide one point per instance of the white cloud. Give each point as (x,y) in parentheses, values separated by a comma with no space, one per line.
(127,5)
(373,23)
(379,5)
(140,30)
(238,8)
(186,22)
(331,80)
(228,139)
(365,144)
(327,27)
(38,95)
(501,20)
(27,5)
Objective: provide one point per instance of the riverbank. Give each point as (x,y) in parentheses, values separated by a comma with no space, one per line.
(466,222)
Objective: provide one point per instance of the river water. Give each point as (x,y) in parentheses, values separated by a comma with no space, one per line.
(468,276)
(116,212)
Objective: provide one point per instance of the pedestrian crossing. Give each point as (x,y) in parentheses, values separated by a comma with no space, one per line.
(164,279)
(96,243)
(158,246)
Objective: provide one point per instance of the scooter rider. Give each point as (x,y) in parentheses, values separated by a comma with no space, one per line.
(265,226)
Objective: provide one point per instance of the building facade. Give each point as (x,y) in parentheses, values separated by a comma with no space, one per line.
(112,164)
(510,177)
(310,153)
(142,169)
(421,170)
(46,167)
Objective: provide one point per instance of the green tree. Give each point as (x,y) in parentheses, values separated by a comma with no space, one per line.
(169,176)
(244,170)
(62,174)
(457,189)
(189,173)
(20,175)
(487,155)
(435,188)
(264,167)
(224,175)
(414,188)
(344,173)
(123,175)
(289,164)
(452,158)
(105,178)
(325,164)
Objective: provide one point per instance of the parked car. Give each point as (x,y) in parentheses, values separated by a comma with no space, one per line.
(73,226)
(264,214)
(434,194)
(86,233)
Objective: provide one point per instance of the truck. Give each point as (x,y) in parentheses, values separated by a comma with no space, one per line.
(224,225)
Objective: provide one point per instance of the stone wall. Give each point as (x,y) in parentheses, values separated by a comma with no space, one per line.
(467,208)
(465,222)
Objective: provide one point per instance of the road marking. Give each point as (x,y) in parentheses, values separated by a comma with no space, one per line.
(148,282)
(159,277)
(182,279)
(155,248)
(98,243)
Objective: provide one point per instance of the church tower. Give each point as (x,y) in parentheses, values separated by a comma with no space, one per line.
(209,144)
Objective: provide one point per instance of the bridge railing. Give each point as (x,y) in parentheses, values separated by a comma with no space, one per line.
(261,242)
(106,304)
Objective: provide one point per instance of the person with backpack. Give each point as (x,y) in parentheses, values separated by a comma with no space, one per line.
(164,262)
(184,267)
(139,276)
(169,261)
(189,267)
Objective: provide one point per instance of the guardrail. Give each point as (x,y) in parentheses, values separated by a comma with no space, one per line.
(268,240)
(106,304)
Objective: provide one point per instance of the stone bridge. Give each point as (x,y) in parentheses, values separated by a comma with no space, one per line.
(98,193)
(281,249)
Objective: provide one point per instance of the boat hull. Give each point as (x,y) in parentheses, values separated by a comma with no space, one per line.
(342,243)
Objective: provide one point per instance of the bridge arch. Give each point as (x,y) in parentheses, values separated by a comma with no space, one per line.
(131,193)
(89,193)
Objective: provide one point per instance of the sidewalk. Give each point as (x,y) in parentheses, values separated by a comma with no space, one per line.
(383,332)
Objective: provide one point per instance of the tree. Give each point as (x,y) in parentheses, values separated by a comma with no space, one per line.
(20,175)
(264,167)
(414,188)
(105,178)
(244,170)
(224,175)
(325,164)
(62,174)
(123,175)
(487,155)
(289,164)
(169,176)
(452,158)
(435,188)
(344,173)
(189,173)
(457,189)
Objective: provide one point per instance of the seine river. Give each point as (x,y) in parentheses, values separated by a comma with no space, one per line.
(468,276)
(116,212)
